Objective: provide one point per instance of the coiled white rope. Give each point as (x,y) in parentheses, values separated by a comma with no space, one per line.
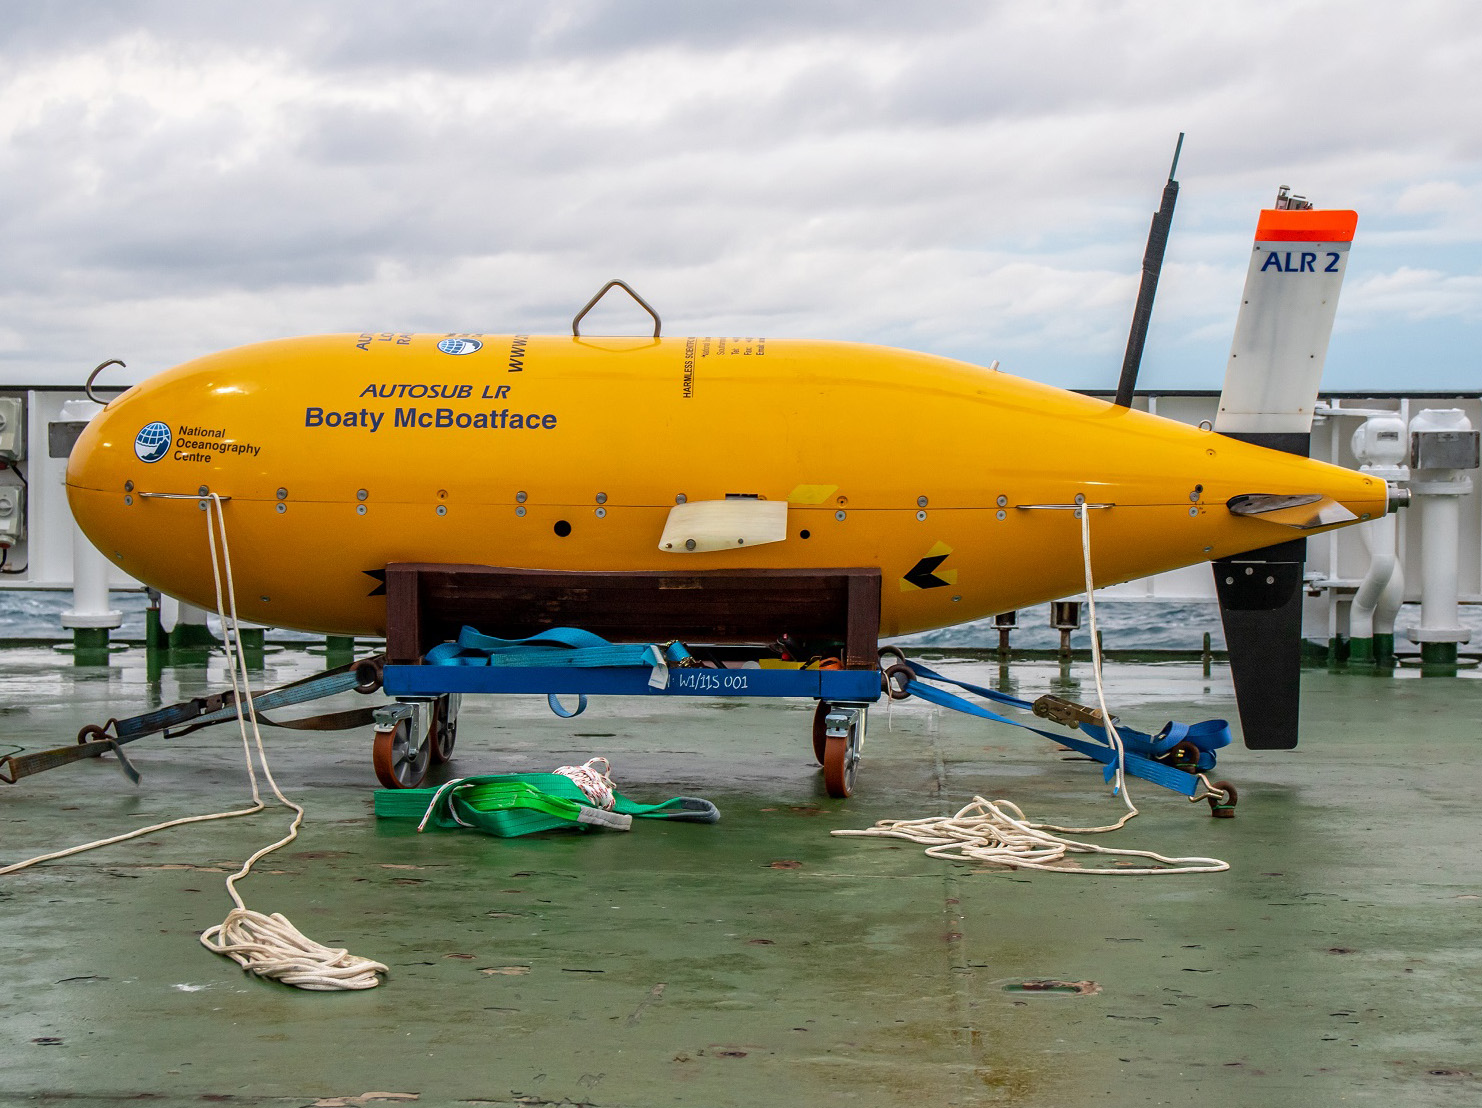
(268,946)
(596,784)
(996,832)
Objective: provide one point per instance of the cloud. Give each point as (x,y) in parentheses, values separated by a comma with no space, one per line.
(960,177)
(1417,295)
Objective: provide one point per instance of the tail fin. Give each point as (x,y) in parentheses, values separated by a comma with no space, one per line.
(1271,382)
(1286,316)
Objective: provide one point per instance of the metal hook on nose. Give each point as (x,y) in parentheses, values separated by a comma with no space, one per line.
(93,376)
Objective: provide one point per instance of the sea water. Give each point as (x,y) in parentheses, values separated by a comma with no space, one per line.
(1125,624)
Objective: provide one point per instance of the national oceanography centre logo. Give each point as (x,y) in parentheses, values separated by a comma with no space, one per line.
(153,441)
(460,346)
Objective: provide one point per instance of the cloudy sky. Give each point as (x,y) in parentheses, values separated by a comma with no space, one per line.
(973,179)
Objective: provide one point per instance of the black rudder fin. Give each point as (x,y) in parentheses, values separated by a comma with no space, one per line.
(1260,595)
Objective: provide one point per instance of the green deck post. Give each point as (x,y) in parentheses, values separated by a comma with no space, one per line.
(1438,653)
(192,636)
(155,639)
(339,650)
(254,645)
(90,646)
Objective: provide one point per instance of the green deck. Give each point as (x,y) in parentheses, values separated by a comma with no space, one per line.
(758,961)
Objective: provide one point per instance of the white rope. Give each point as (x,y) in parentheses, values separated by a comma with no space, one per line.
(268,946)
(17,866)
(595,784)
(1119,779)
(442,791)
(996,832)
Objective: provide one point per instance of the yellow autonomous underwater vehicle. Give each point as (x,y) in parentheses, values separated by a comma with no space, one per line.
(339,455)
(343,453)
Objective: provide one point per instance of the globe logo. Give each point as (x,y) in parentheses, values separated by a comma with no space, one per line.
(152,442)
(460,346)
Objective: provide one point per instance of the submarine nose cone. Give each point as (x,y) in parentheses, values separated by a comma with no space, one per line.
(104,464)
(95,462)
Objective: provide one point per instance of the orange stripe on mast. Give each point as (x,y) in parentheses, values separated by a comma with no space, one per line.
(1306,225)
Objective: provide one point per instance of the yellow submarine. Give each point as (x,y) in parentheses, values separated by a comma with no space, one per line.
(340,454)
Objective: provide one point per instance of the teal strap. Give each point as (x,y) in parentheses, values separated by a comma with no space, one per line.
(560,646)
(555,705)
(685,809)
(565,647)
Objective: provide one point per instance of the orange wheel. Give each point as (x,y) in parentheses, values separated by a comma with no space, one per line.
(820,738)
(399,762)
(839,763)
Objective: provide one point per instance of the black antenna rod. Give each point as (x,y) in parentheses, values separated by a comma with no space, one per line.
(1152,265)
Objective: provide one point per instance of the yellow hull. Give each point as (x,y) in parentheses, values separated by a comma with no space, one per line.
(342,453)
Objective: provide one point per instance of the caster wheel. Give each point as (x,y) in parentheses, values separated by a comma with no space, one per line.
(444,731)
(399,762)
(820,732)
(840,761)
(841,754)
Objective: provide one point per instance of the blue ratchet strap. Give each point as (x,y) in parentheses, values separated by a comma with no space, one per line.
(1139,748)
(1207,736)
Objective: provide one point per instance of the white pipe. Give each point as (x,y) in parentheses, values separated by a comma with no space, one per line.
(1440,534)
(175,612)
(89,588)
(1379,537)
(1379,444)
(89,568)
(1438,491)
(1389,604)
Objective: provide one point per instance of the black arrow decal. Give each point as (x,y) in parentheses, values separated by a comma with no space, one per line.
(921,574)
(379,576)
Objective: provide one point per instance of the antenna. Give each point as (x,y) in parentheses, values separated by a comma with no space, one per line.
(1152,265)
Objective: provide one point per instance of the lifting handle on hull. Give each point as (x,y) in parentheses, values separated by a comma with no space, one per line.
(603,291)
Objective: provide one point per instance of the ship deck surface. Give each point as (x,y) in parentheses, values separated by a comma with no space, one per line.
(757,961)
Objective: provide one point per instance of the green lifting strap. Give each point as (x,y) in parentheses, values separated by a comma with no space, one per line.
(513,804)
